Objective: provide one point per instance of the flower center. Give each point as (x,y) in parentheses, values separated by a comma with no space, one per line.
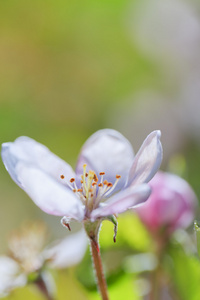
(91,192)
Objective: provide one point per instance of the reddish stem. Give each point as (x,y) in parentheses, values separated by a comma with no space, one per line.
(99,269)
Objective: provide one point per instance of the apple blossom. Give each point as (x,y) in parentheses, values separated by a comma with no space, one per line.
(106,168)
(170,206)
(28,260)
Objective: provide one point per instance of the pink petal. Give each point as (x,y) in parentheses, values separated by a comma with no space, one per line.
(47,193)
(107,151)
(122,201)
(172,203)
(28,150)
(147,161)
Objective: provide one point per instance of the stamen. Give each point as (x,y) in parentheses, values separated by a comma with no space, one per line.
(69,185)
(103,188)
(75,185)
(114,185)
(95,178)
(89,194)
(102,173)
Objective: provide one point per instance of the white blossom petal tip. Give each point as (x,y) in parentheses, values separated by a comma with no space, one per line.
(107,151)
(148,159)
(122,201)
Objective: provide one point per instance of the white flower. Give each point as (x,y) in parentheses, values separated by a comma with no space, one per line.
(106,168)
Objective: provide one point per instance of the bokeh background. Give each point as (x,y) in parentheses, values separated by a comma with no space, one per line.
(69,68)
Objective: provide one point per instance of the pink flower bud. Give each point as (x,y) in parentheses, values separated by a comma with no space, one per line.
(170,206)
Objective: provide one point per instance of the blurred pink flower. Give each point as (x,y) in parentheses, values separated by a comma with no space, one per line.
(170,206)
(58,190)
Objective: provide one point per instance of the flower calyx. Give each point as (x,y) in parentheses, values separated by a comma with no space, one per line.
(113,219)
(65,222)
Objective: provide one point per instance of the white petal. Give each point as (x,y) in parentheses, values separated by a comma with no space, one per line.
(148,159)
(107,151)
(28,150)
(122,201)
(10,276)
(68,251)
(47,193)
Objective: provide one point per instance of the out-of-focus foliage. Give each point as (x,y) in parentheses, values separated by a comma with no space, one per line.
(184,272)
(131,233)
(197,232)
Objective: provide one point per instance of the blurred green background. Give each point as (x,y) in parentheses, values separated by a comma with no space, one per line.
(69,68)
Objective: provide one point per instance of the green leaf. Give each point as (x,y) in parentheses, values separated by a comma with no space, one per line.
(197,231)
(184,273)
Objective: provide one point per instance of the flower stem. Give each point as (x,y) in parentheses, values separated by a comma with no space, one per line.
(155,285)
(99,269)
(43,288)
